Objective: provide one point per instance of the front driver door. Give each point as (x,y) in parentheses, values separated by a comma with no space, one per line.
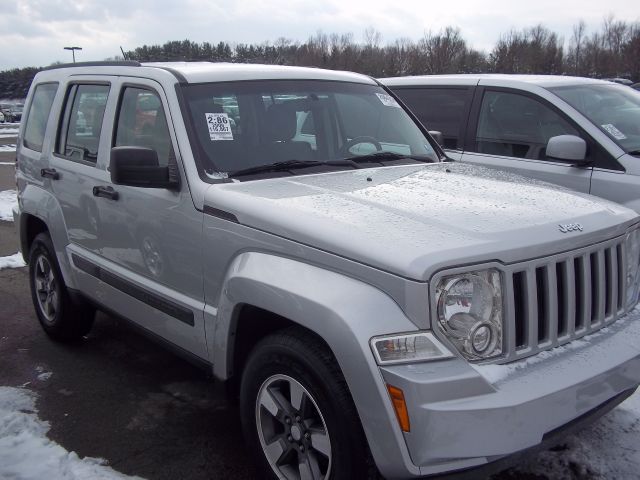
(510,130)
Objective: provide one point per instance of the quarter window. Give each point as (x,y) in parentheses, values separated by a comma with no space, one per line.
(143,123)
(39,115)
(80,135)
(515,125)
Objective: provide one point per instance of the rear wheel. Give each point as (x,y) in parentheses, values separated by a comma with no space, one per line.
(297,412)
(60,317)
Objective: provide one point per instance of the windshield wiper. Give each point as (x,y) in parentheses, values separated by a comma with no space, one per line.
(388,156)
(276,167)
(635,153)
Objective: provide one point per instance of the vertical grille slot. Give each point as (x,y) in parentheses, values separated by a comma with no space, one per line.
(580,289)
(595,288)
(520,309)
(620,278)
(543,303)
(608,280)
(563,294)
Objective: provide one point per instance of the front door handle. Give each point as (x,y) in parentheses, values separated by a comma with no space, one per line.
(49,173)
(106,192)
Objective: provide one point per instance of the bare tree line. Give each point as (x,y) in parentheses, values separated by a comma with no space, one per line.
(613,50)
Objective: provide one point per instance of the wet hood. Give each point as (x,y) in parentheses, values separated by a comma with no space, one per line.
(414,220)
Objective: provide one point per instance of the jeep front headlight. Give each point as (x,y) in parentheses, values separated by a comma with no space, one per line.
(470,312)
(632,248)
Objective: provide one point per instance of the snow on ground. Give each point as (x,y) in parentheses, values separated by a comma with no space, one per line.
(8,199)
(27,454)
(608,449)
(12,261)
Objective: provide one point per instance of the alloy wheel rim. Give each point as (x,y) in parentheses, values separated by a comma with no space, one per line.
(292,431)
(46,287)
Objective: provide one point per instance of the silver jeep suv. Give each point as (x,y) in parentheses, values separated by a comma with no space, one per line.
(374,306)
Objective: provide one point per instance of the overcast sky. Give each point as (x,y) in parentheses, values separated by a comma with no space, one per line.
(34,32)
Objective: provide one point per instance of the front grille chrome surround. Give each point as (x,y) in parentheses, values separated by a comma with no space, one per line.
(554,300)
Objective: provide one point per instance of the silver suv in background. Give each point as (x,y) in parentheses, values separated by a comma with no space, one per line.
(296,232)
(581,133)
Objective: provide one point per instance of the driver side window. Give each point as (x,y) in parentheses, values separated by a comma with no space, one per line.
(143,123)
(514,125)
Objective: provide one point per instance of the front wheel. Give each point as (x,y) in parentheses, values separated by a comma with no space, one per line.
(297,413)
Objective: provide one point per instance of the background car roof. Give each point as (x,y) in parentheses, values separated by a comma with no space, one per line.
(473,79)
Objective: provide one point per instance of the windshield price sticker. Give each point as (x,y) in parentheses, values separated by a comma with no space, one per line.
(614,132)
(387,100)
(219,126)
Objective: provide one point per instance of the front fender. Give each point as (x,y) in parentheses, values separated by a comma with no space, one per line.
(345,312)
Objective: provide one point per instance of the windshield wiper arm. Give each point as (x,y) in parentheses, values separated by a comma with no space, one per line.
(388,156)
(635,153)
(276,167)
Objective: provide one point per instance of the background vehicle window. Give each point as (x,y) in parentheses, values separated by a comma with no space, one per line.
(515,125)
(143,123)
(39,115)
(441,109)
(82,133)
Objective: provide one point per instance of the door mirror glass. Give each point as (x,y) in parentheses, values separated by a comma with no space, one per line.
(568,148)
(139,167)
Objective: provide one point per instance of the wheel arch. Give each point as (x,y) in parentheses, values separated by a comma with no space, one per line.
(264,293)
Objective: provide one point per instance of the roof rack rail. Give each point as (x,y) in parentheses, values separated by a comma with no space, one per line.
(122,63)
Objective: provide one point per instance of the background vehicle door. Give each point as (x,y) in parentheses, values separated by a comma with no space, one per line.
(510,129)
(152,236)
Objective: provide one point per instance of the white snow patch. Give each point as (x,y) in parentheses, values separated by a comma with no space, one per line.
(607,449)
(27,454)
(8,199)
(8,163)
(11,147)
(12,261)
(43,377)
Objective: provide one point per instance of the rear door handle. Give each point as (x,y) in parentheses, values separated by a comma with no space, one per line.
(106,192)
(49,173)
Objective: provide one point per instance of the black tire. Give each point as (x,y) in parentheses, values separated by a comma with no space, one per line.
(65,321)
(297,354)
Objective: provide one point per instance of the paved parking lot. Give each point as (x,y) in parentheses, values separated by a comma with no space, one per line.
(123,398)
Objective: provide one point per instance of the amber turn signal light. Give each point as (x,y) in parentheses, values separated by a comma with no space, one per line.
(400,406)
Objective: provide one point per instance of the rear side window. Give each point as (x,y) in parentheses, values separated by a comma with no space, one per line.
(82,124)
(143,123)
(38,115)
(440,109)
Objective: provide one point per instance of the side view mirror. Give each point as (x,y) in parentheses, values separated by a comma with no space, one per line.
(568,148)
(437,136)
(138,167)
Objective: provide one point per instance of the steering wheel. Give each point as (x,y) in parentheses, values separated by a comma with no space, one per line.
(357,141)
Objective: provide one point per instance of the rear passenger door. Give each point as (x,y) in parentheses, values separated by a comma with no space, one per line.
(444,109)
(73,166)
(509,129)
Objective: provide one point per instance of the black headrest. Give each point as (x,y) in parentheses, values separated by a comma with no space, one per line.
(281,122)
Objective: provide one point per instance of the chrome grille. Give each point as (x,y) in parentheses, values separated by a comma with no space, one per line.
(554,300)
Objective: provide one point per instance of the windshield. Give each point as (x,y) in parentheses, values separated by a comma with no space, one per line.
(614,109)
(242,125)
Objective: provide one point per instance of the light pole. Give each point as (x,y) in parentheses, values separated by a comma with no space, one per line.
(73,51)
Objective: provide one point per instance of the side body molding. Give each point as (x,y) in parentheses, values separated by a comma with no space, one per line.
(345,312)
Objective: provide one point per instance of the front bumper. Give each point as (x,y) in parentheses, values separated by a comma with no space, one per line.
(463,416)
